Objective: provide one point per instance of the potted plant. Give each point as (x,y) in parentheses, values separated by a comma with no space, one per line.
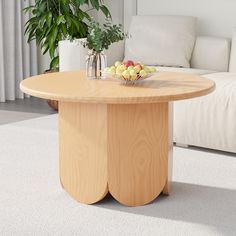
(99,38)
(56,20)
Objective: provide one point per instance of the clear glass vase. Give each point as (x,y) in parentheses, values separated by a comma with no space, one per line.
(95,65)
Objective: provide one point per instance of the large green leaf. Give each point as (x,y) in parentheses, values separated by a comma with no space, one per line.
(95,4)
(68,20)
(105,11)
(45,48)
(54,63)
(64,30)
(52,51)
(86,15)
(83,1)
(49,19)
(53,36)
(76,24)
(42,21)
(42,7)
(32,20)
(27,9)
(60,19)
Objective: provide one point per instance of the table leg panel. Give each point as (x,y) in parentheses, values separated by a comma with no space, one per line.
(138,147)
(83,150)
(167,187)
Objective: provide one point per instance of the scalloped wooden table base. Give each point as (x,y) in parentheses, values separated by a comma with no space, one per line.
(116,138)
(120,148)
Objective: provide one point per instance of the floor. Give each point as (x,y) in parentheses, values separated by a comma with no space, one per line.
(44,208)
(23,109)
(32,201)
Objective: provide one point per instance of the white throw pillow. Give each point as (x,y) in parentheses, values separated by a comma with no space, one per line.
(161,40)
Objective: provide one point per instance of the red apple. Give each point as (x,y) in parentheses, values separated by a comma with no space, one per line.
(128,63)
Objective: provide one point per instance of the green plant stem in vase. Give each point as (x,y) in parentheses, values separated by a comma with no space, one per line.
(99,38)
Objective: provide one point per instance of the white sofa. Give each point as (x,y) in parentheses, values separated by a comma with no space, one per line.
(208,121)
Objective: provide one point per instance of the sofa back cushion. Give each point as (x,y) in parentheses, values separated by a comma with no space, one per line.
(161,40)
(211,53)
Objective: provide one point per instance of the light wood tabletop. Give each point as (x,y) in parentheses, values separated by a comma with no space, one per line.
(114,137)
(74,87)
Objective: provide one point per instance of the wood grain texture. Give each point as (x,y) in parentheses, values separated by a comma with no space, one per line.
(83,150)
(138,149)
(167,187)
(74,87)
(115,135)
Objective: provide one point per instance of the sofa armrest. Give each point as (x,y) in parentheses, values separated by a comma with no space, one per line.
(211,53)
(232,63)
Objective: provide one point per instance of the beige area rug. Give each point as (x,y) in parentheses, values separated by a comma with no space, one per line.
(32,202)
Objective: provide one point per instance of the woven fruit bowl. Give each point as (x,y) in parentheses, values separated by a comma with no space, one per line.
(129,72)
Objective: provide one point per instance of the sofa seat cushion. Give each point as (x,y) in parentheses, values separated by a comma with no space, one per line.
(209,121)
(184,70)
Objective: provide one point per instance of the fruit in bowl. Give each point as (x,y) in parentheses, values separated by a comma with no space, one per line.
(129,71)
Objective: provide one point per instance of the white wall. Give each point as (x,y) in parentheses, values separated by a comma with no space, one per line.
(130,9)
(215,17)
(116,8)
(116,50)
(43,62)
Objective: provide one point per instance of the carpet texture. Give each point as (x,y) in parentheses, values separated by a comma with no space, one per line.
(32,202)
(14,116)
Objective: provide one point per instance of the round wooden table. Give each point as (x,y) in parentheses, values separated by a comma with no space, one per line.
(114,137)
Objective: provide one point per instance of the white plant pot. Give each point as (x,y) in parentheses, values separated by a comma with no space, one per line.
(72,55)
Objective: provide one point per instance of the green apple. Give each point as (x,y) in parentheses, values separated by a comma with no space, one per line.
(118,72)
(152,69)
(118,75)
(121,68)
(113,70)
(130,68)
(147,69)
(126,74)
(132,72)
(107,69)
(142,73)
(137,68)
(133,77)
(117,63)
